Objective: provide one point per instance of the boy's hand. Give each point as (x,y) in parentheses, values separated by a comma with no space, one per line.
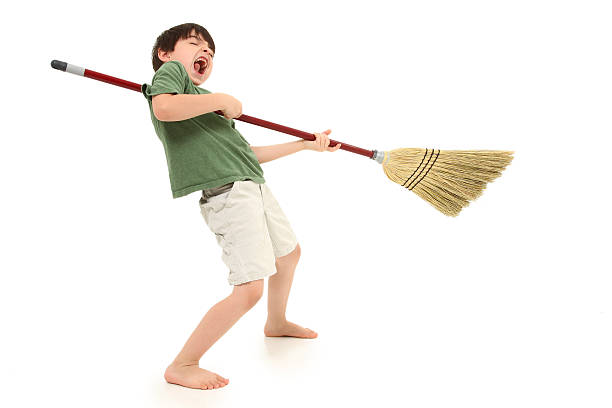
(230,106)
(321,143)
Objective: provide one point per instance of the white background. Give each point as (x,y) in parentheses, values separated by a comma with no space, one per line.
(104,275)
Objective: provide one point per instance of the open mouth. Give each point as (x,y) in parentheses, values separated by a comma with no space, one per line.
(200,65)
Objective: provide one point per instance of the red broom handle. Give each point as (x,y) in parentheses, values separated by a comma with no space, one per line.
(63,66)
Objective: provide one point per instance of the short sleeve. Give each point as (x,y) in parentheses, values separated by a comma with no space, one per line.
(169,79)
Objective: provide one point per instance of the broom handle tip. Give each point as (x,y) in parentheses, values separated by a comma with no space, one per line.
(61,65)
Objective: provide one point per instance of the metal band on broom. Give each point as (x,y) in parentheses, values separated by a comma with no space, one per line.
(447,179)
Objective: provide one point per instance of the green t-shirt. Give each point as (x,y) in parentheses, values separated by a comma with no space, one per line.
(205,151)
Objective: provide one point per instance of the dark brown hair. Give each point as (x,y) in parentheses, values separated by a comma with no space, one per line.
(167,40)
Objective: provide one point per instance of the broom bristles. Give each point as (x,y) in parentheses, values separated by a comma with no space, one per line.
(447,179)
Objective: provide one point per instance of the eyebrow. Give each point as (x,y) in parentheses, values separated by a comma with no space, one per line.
(199,39)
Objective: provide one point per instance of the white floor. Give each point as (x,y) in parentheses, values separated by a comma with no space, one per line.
(439,357)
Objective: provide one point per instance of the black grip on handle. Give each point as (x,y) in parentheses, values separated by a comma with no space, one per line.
(61,65)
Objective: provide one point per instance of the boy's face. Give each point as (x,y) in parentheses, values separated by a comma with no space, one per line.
(194,54)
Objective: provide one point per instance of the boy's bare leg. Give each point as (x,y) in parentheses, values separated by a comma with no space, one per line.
(185,369)
(279,286)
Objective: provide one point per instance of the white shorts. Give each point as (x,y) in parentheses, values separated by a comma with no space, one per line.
(251,229)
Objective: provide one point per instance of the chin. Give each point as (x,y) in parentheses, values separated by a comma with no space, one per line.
(198,81)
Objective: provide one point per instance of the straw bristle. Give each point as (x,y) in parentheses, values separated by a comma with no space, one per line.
(447,179)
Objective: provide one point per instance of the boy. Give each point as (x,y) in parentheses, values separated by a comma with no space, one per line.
(205,152)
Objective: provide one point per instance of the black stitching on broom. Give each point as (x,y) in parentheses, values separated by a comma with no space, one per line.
(415,170)
(432,164)
(432,152)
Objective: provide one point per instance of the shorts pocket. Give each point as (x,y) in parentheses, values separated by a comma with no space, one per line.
(218,202)
(216,214)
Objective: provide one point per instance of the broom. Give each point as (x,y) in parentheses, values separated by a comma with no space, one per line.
(447,179)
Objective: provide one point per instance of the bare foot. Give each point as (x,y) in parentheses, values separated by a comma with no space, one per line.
(288,329)
(192,376)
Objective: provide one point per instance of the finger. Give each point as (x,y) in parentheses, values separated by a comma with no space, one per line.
(327,132)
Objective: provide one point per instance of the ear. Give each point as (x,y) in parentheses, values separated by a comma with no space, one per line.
(164,55)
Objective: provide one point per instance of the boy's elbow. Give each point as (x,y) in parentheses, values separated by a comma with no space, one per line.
(159,108)
(161,117)
(160,113)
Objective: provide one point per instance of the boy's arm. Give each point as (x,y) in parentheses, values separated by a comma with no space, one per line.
(171,108)
(267,153)
(320,144)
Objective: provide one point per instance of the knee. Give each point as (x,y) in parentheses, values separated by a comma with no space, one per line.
(248,294)
(292,257)
(297,251)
